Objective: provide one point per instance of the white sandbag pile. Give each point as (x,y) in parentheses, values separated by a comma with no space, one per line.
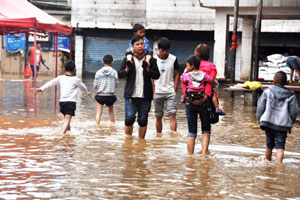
(275,63)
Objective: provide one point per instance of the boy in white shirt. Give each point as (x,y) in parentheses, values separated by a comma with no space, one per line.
(69,85)
(165,87)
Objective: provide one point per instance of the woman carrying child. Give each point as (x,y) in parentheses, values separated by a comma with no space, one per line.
(194,81)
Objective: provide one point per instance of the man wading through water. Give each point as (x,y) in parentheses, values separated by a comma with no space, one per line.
(138,92)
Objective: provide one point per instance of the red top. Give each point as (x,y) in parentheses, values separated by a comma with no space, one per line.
(211,70)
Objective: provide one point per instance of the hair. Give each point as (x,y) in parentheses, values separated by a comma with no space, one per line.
(107,59)
(280,78)
(193,60)
(164,43)
(137,27)
(202,51)
(69,66)
(136,38)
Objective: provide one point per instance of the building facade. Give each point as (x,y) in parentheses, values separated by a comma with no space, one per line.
(105,27)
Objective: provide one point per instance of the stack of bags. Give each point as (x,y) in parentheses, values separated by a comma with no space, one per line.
(275,63)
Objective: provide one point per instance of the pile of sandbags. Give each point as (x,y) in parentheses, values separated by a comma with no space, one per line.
(275,63)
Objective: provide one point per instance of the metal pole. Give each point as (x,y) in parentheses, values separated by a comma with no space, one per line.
(34,58)
(55,49)
(70,55)
(257,37)
(234,41)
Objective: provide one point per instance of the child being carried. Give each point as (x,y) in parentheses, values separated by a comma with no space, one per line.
(195,79)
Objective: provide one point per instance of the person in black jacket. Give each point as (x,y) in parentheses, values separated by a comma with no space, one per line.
(138,92)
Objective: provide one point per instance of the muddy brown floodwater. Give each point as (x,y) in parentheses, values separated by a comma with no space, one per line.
(38,162)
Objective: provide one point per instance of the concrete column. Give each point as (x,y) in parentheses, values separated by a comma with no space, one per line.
(246,48)
(220,42)
(79,55)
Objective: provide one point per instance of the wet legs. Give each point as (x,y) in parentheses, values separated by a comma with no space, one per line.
(191,144)
(66,127)
(205,143)
(98,114)
(279,155)
(142,131)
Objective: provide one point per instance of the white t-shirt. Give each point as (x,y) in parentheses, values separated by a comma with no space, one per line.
(166,67)
(138,91)
(37,55)
(68,87)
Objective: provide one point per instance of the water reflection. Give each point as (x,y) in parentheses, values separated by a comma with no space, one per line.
(37,162)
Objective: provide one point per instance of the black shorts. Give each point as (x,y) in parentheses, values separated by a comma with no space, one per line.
(67,108)
(107,100)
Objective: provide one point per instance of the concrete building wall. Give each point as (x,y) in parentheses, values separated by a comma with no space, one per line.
(154,14)
(251,3)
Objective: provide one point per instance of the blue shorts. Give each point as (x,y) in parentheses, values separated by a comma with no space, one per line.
(140,106)
(292,63)
(275,138)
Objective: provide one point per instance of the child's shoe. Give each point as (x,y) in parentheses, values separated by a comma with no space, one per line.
(291,81)
(220,112)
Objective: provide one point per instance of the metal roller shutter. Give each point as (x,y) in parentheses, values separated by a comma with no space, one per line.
(97,47)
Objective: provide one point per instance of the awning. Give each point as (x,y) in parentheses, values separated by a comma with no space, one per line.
(20,16)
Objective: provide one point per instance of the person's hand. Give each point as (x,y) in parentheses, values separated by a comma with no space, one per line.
(129,65)
(89,94)
(39,90)
(201,101)
(148,58)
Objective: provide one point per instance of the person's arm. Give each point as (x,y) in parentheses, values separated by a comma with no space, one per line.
(261,105)
(43,62)
(153,86)
(208,88)
(28,56)
(123,69)
(95,83)
(293,108)
(152,70)
(116,78)
(176,75)
(82,87)
(49,84)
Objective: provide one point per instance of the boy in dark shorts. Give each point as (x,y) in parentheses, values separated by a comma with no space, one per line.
(105,83)
(69,85)
(277,110)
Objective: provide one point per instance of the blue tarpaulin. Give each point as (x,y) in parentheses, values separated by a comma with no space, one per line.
(63,43)
(15,42)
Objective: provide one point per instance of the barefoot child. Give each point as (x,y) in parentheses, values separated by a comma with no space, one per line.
(277,110)
(105,82)
(69,85)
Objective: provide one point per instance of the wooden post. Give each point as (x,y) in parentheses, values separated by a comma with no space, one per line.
(257,37)
(234,40)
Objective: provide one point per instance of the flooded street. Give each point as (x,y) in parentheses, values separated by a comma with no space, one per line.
(38,162)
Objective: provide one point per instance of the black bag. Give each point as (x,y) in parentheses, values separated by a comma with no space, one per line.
(213,116)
